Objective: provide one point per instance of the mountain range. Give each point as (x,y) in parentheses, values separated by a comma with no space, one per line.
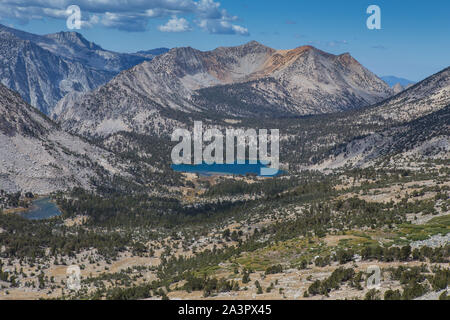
(37,155)
(249,80)
(78,114)
(426,137)
(425,97)
(43,69)
(393,80)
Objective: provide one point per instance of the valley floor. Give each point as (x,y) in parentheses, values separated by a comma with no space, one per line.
(302,242)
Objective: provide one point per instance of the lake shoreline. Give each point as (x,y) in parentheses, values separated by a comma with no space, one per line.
(42,207)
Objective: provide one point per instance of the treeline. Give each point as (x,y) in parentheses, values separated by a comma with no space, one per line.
(415,281)
(386,254)
(140,210)
(14,200)
(240,187)
(27,239)
(209,286)
(334,281)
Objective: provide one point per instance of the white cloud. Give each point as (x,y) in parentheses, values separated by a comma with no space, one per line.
(127,21)
(215,20)
(175,25)
(240,30)
(92,21)
(222,26)
(130,15)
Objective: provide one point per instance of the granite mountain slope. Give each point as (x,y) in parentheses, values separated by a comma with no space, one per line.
(425,97)
(248,80)
(427,137)
(37,156)
(416,127)
(43,69)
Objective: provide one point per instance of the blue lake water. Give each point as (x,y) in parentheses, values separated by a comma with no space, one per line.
(41,209)
(225,169)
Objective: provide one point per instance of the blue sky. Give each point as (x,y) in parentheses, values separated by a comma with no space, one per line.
(414,41)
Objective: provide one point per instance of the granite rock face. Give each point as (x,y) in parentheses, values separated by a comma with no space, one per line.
(43,69)
(37,156)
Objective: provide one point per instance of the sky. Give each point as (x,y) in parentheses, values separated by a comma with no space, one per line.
(413,42)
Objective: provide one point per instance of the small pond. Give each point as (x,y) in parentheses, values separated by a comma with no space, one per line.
(42,208)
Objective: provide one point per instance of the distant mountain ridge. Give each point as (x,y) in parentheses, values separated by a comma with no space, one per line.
(43,69)
(398,84)
(152,52)
(248,80)
(393,80)
(423,98)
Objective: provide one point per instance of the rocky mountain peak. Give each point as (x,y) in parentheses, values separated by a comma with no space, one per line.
(44,69)
(398,88)
(347,59)
(252,43)
(184,52)
(255,45)
(73,38)
(304,80)
(252,47)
